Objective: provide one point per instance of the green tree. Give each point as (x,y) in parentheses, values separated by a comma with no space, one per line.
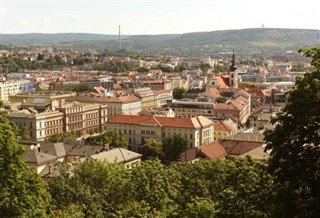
(113,138)
(220,68)
(25,134)
(92,188)
(199,208)
(151,148)
(204,68)
(295,146)
(61,137)
(178,93)
(173,146)
(22,191)
(156,185)
(81,88)
(229,188)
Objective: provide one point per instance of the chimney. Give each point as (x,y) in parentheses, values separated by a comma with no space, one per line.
(39,148)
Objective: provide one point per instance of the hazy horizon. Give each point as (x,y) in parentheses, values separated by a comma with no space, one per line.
(150,34)
(153,17)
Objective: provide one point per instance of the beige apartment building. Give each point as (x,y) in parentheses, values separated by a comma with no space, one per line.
(158,84)
(8,88)
(116,105)
(198,130)
(147,96)
(83,119)
(40,125)
(163,96)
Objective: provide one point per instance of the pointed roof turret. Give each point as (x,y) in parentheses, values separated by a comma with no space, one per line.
(233,63)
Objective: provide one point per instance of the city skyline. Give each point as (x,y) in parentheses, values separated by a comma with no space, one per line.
(153,16)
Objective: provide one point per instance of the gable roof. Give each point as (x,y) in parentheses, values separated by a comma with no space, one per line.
(55,149)
(117,155)
(82,150)
(221,82)
(36,157)
(179,122)
(213,150)
(215,92)
(222,126)
(237,147)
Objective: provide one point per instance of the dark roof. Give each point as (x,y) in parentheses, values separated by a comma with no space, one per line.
(36,102)
(34,156)
(237,147)
(82,150)
(55,149)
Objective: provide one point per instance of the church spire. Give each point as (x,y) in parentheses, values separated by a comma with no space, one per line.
(233,63)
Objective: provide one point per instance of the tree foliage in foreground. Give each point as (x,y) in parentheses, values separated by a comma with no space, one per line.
(223,188)
(22,191)
(295,144)
(168,151)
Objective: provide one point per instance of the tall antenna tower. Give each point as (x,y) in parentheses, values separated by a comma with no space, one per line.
(119,38)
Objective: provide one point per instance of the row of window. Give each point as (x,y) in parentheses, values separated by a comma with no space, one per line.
(75,118)
(52,131)
(147,132)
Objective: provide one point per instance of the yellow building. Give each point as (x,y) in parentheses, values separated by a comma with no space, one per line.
(198,130)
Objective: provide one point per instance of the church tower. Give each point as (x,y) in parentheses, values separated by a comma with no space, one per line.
(233,75)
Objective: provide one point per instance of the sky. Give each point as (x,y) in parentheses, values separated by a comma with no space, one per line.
(154,16)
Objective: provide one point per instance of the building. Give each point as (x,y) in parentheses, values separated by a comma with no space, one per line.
(40,124)
(222,130)
(164,111)
(163,96)
(116,105)
(120,156)
(158,84)
(191,108)
(198,130)
(44,120)
(8,88)
(23,97)
(238,108)
(147,96)
(83,119)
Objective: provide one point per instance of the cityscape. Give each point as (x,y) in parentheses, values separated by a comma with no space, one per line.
(158,120)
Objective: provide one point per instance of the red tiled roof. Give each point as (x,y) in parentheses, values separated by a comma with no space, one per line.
(236,147)
(215,92)
(178,122)
(221,126)
(221,82)
(213,150)
(224,106)
(132,119)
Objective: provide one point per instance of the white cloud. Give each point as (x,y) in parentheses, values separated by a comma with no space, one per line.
(25,23)
(45,22)
(77,17)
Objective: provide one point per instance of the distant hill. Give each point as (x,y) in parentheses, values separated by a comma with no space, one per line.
(45,38)
(250,39)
